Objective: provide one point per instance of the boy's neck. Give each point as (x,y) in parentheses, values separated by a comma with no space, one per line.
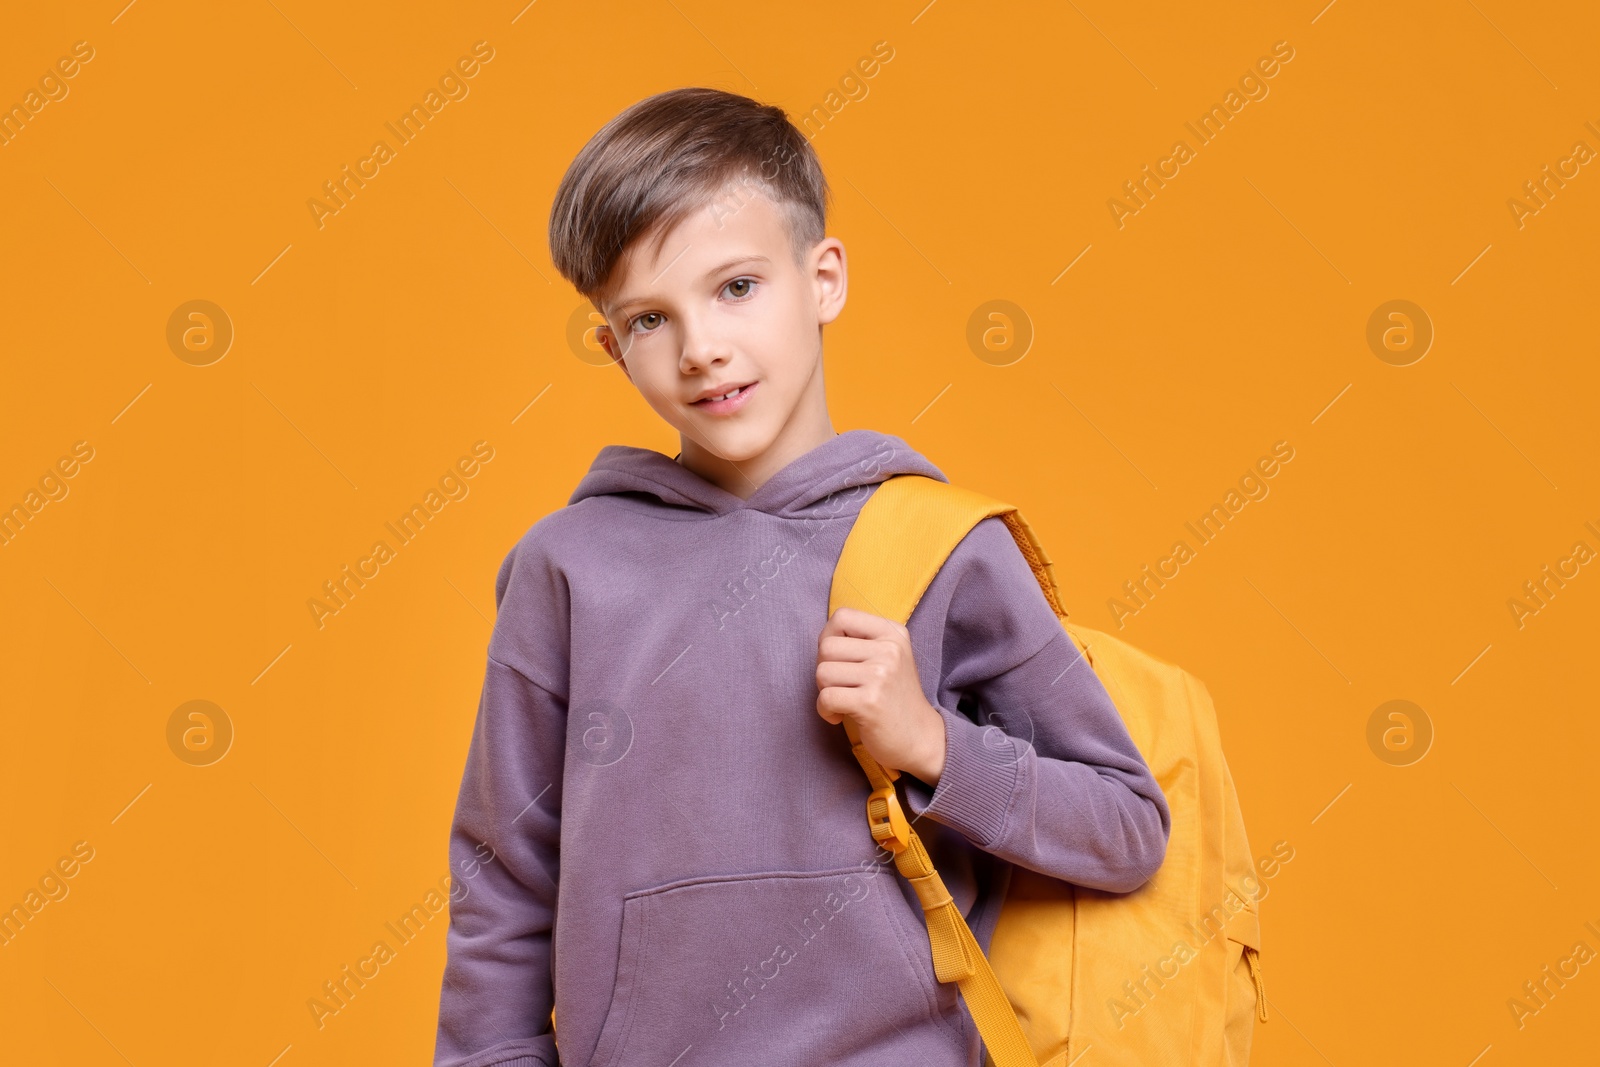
(744,477)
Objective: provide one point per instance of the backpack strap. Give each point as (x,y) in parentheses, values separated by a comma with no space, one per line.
(903,534)
(901,538)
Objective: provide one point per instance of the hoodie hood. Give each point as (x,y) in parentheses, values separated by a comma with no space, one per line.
(845,461)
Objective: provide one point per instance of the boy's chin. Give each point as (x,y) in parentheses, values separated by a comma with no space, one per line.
(735,444)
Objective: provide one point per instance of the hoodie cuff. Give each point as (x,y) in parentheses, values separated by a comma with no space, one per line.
(977,785)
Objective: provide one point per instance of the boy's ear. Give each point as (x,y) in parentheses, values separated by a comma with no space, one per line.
(831,277)
(608,341)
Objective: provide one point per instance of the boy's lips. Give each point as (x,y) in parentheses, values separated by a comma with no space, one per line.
(729,405)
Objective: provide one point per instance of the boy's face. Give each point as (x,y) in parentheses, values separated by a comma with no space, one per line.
(722,304)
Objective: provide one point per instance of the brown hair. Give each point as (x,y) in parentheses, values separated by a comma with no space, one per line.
(668,155)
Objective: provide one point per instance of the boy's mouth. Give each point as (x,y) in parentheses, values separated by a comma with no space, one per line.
(728,401)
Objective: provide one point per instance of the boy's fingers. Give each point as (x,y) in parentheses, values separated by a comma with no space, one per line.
(853,622)
(848,649)
(844,675)
(835,703)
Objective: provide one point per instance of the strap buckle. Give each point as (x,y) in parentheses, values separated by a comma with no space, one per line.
(887,818)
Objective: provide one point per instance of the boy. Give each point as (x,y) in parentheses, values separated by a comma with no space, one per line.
(679,862)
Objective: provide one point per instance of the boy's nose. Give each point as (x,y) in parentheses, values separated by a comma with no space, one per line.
(702,347)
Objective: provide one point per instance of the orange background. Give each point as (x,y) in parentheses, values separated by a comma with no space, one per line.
(369,354)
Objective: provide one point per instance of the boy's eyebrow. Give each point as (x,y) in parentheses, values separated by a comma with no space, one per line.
(718,269)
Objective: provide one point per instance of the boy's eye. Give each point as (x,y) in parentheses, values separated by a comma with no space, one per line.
(649,321)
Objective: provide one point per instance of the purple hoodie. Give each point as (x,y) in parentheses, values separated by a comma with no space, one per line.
(658,834)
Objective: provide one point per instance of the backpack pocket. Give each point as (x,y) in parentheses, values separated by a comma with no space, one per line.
(816,965)
(1247,996)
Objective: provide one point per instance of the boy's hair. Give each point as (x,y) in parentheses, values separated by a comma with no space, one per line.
(668,155)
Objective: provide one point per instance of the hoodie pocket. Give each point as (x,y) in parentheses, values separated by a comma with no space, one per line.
(820,964)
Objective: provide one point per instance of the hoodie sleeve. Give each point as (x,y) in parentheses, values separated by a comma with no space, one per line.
(1044,774)
(497,994)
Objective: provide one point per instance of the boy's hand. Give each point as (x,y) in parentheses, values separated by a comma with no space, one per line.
(866,672)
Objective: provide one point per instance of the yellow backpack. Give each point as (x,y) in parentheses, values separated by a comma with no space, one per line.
(1167,974)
